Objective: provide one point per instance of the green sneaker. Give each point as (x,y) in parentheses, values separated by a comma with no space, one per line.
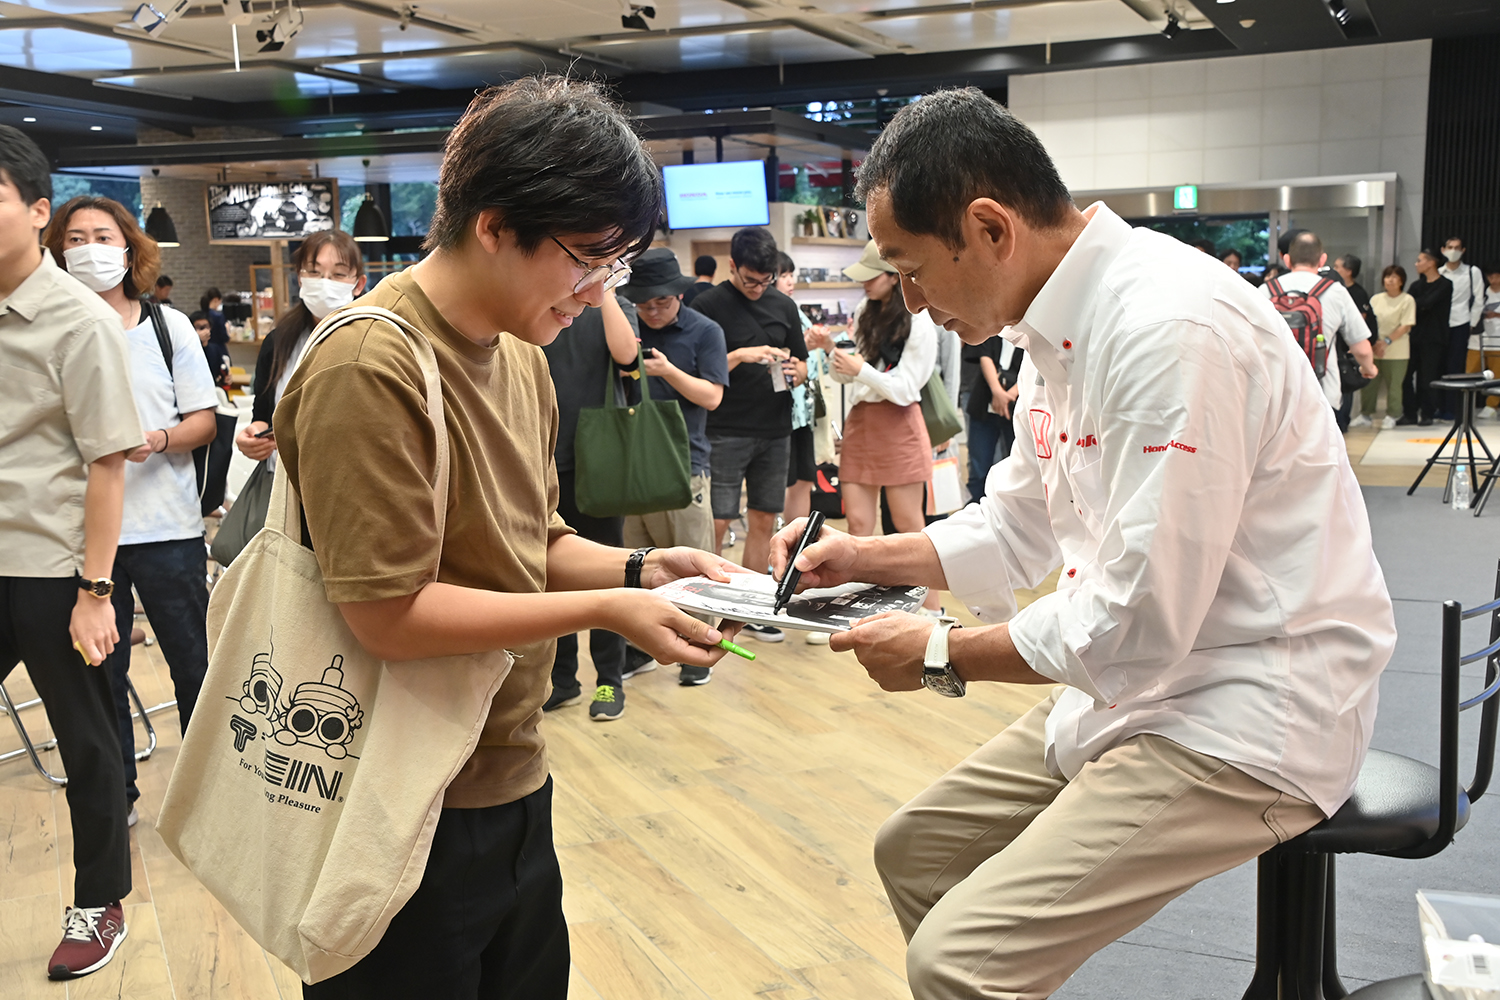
(608,705)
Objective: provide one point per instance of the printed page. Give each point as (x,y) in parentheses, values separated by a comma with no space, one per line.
(750,597)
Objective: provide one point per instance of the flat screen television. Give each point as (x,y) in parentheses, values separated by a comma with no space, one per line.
(709,195)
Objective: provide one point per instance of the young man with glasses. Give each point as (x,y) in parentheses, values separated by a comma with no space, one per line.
(526,235)
(751,430)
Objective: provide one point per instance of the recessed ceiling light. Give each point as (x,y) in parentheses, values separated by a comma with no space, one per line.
(1226,1)
(1248,22)
(96,128)
(28,118)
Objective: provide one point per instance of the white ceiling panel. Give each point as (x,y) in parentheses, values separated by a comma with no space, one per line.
(1065,21)
(253,84)
(757,48)
(937,33)
(62,50)
(326,32)
(454,71)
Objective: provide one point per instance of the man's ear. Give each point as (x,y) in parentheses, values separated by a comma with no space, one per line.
(41,213)
(993,225)
(489,230)
(1322,262)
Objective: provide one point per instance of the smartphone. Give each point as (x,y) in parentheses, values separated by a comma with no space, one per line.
(268,432)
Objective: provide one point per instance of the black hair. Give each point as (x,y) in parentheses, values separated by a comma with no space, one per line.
(754,249)
(1284,244)
(196,316)
(1456,239)
(23,164)
(556,157)
(944,151)
(705,266)
(883,327)
(162,281)
(209,296)
(784,263)
(1306,249)
(1397,270)
(1492,268)
(1224,257)
(1352,264)
(1206,245)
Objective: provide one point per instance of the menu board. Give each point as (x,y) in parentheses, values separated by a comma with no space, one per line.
(271,210)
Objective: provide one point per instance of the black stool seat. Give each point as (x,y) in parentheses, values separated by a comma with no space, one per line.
(1405,988)
(1458,383)
(1394,808)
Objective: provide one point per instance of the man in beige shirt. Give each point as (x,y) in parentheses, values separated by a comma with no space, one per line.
(67,419)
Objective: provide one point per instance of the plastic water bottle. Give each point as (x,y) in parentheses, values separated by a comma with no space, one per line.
(1461,488)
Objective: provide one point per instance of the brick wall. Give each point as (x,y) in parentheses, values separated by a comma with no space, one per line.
(196,265)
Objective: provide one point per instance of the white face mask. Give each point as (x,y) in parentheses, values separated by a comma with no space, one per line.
(1454,256)
(323,295)
(100,266)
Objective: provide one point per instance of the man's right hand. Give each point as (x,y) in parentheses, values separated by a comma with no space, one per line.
(828,562)
(762,355)
(92,627)
(254,448)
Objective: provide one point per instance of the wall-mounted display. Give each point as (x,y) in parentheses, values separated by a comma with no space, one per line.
(270,211)
(713,195)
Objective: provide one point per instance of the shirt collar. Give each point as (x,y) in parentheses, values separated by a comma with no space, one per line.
(32,294)
(1062,311)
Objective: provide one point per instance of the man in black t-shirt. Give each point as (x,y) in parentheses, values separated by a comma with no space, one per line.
(991,431)
(750,432)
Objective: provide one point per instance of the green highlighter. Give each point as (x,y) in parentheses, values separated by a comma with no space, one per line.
(736,650)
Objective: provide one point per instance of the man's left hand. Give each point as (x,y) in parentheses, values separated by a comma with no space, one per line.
(889,646)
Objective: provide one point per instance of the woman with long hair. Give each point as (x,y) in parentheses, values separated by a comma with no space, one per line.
(885,438)
(330,273)
(161,535)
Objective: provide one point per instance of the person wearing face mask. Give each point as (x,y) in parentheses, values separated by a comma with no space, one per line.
(161,552)
(330,273)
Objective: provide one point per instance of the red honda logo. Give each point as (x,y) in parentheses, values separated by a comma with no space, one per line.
(1041,426)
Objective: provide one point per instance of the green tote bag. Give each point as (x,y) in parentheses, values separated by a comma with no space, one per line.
(938,411)
(631,459)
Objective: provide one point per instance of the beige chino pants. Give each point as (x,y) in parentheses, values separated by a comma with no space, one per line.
(1006,879)
(693,525)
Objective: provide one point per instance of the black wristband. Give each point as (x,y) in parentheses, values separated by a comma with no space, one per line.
(634,563)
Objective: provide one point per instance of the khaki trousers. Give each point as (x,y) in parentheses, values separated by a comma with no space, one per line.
(1006,879)
(693,525)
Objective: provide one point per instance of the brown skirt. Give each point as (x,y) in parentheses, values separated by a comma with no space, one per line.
(885,445)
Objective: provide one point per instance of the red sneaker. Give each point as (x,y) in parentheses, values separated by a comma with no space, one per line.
(90,936)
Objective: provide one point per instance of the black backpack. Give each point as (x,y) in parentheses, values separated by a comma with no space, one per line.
(210,461)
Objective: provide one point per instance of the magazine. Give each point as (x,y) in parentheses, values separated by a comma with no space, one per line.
(749,597)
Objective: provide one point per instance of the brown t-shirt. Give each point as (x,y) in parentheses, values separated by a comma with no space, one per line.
(353,430)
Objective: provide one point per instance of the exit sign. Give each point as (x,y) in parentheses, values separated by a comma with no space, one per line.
(1185,198)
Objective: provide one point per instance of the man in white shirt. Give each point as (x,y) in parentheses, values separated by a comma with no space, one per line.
(1218,631)
(1468,305)
(1341,317)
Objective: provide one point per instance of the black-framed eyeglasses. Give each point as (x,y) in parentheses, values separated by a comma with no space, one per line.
(609,275)
(752,283)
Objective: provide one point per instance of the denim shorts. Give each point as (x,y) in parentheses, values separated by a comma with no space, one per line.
(759,463)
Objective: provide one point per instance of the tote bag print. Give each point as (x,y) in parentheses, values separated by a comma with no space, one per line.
(278,731)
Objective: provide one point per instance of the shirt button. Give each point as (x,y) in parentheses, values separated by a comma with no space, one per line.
(1073,572)
(1067,345)
(1063,437)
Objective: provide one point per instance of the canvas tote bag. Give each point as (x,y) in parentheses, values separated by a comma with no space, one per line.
(309,783)
(631,459)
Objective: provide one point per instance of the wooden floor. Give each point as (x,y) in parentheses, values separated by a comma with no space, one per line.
(715,841)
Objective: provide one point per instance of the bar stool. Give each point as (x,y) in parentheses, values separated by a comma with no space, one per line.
(1463,434)
(31,749)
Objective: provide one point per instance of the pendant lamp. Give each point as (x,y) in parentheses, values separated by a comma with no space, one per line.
(159,225)
(369,223)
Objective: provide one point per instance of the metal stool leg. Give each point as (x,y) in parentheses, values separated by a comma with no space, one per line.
(27,747)
(145,717)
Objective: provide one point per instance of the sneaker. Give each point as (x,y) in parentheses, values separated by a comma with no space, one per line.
(1488,413)
(1424,421)
(91,934)
(765,633)
(695,676)
(608,704)
(1406,421)
(636,662)
(1361,421)
(563,697)
(1388,424)
(816,638)
(134,817)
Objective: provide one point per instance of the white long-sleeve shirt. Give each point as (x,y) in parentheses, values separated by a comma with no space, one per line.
(903,383)
(1468,294)
(1175,454)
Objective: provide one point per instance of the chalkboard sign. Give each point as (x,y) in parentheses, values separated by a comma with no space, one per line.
(271,210)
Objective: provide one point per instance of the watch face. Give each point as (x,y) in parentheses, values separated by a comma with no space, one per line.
(944,682)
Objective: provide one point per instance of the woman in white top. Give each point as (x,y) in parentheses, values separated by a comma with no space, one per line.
(161,551)
(885,438)
(1395,312)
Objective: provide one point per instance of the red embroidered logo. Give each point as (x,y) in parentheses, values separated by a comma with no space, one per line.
(1072,573)
(1087,441)
(1152,449)
(1041,426)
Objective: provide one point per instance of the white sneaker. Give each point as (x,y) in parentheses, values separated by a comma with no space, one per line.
(133,817)
(1360,421)
(1488,413)
(816,638)
(1388,424)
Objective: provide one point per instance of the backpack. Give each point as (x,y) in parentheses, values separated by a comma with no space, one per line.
(210,461)
(1303,313)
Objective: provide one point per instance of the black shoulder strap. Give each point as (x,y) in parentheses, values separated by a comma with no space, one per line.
(1320,288)
(1275,286)
(159,324)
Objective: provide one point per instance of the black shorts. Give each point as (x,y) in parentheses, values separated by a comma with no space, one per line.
(801,465)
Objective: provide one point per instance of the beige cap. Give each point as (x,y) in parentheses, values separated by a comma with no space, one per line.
(869,265)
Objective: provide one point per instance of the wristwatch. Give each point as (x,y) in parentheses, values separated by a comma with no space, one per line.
(937,672)
(101,588)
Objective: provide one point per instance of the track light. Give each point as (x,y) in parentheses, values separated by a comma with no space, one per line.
(637,16)
(283,28)
(153,20)
(1338,10)
(1173,28)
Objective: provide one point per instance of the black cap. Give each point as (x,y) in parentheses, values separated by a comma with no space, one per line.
(653,274)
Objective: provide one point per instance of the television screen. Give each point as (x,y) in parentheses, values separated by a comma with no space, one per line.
(271,210)
(705,195)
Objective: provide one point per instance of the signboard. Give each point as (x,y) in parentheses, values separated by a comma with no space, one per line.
(268,211)
(1185,198)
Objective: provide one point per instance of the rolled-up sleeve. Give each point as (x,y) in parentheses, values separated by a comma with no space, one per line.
(1178,439)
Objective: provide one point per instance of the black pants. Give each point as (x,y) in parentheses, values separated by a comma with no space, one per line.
(606,648)
(171,579)
(486,922)
(1428,359)
(34,618)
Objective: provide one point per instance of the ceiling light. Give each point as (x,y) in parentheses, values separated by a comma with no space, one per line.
(369,223)
(96,128)
(1226,1)
(161,228)
(284,27)
(28,118)
(1173,28)
(153,20)
(1338,10)
(1248,22)
(636,17)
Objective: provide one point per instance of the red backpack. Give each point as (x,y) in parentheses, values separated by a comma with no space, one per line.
(1303,312)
